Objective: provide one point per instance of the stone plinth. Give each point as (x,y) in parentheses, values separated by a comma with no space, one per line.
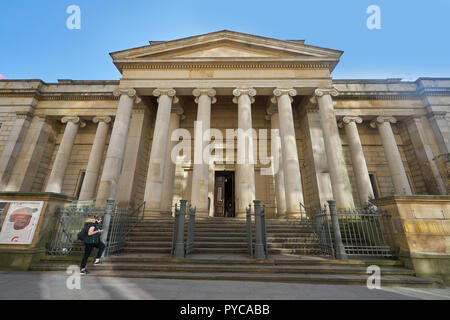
(22,256)
(421,230)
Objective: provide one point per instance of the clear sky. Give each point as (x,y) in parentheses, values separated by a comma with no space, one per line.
(414,39)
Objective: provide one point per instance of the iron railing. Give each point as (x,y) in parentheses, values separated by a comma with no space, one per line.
(123,221)
(70,220)
(248,215)
(366,233)
(321,225)
(180,247)
(257,246)
(354,232)
(191,231)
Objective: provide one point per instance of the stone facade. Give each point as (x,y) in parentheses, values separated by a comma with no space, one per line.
(349,140)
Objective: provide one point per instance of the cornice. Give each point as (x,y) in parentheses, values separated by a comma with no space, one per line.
(130,65)
(77,96)
(442,91)
(377,95)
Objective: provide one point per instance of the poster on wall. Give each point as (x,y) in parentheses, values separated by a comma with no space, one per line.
(19,220)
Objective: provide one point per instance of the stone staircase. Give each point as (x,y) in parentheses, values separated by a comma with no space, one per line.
(223,236)
(221,254)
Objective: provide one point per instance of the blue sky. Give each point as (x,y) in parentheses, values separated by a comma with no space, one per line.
(414,39)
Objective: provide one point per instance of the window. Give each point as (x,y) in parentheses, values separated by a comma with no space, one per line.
(80,184)
(373,182)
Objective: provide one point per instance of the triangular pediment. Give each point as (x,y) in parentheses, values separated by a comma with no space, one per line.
(226,46)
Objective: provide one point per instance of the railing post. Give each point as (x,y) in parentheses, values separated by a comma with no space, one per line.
(339,245)
(259,246)
(191,230)
(106,223)
(263,229)
(248,215)
(179,244)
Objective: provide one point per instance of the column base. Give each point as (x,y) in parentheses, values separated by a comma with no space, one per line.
(241,214)
(293,215)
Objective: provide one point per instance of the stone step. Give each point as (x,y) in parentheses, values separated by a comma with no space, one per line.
(230,259)
(224,238)
(143,244)
(310,278)
(296,251)
(256,268)
(218,234)
(223,229)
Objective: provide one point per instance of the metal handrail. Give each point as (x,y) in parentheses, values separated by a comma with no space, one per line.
(139,219)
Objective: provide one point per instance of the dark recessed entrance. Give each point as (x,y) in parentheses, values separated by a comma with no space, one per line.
(224,194)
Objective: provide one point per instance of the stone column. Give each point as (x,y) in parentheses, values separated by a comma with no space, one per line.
(95,159)
(280,195)
(30,155)
(440,124)
(423,149)
(55,181)
(245,174)
(340,182)
(13,146)
(291,168)
(169,176)
(114,156)
(398,174)
(157,163)
(200,176)
(358,160)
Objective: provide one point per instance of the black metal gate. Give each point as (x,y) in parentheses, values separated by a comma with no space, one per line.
(70,220)
(353,232)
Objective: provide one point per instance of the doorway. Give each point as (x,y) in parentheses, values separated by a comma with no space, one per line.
(224,194)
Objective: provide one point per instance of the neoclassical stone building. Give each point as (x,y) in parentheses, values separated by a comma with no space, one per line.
(348,140)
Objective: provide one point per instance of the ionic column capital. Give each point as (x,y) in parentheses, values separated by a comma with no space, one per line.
(210,92)
(129,92)
(382,119)
(170,92)
(164,91)
(278,92)
(101,119)
(320,92)
(74,120)
(250,92)
(347,120)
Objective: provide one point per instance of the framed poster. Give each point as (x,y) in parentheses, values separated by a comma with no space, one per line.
(19,223)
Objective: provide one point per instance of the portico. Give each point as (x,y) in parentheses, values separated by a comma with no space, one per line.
(346,140)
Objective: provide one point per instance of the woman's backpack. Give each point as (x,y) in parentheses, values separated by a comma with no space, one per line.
(83,234)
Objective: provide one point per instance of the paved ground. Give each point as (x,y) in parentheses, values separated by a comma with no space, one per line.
(52,285)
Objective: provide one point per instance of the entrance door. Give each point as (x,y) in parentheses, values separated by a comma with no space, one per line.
(224,194)
(219,197)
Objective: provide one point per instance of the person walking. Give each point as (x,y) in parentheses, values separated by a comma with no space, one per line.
(92,241)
